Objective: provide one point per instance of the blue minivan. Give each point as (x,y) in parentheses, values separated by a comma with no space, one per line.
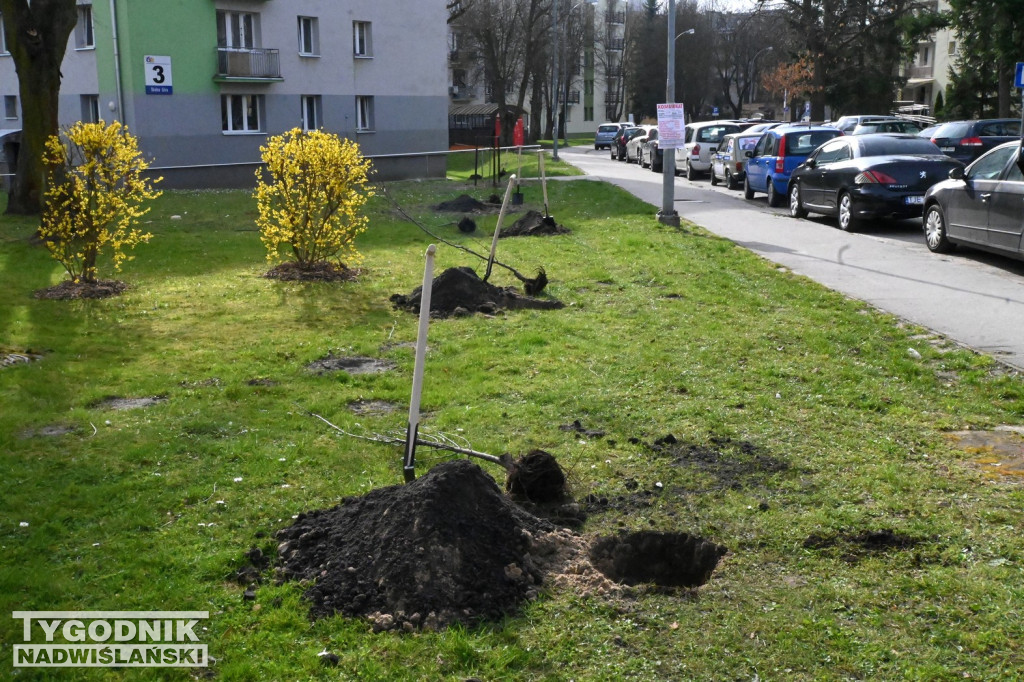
(780,150)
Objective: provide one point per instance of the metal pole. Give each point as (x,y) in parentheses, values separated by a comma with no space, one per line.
(668,215)
(554,86)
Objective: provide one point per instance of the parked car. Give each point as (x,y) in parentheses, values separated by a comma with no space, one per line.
(967,140)
(929,131)
(605,133)
(727,163)
(848,123)
(650,153)
(897,126)
(861,177)
(633,146)
(766,125)
(979,206)
(700,142)
(777,153)
(618,147)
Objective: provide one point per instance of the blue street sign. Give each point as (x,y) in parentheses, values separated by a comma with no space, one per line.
(1018,78)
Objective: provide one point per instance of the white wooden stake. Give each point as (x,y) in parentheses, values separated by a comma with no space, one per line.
(544,182)
(409,464)
(497,228)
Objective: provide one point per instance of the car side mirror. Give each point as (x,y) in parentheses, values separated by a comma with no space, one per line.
(749,153)
(811,163)
(956,173)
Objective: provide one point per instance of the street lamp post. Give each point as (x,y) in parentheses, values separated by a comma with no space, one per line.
(753,64)
(557,52)
(668,214)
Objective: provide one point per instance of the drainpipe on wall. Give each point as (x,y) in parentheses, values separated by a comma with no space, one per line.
(117,61)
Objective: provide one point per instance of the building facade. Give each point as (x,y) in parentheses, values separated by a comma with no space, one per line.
(202,83)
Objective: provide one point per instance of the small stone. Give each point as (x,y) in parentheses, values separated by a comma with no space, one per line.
(249,595)
(328,659)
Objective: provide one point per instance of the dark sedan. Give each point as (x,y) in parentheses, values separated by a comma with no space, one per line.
(621,138)
(967,140)
(979,207)
(862,177)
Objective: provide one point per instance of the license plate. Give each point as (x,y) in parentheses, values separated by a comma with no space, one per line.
(946,150)
(914,200)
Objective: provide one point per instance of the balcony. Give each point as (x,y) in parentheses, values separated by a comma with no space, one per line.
(572,97)
(921,71)
(616,17)
(616,44)
(248,64)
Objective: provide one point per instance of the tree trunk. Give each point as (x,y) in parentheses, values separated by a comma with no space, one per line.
(37,37)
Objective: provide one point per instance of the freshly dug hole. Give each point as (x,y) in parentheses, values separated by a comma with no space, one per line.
(667,559)
(461,290)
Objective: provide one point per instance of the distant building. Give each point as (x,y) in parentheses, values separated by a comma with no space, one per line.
(202,84)
(928,75)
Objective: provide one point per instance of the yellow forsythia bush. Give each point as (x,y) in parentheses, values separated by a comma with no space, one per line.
(94,196)
(313,199)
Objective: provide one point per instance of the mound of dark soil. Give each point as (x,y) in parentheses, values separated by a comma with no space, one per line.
(460,291)
(311,272)
(446,548)
(533,224)
(68,290)
(464,204)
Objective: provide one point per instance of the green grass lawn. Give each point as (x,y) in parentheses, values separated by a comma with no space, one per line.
(664,331)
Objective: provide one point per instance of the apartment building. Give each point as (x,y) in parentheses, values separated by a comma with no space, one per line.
(202,83)
(928,75)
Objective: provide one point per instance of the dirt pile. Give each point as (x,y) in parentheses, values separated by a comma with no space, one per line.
(448,547)
(465,204)
(533,224)
(460,291)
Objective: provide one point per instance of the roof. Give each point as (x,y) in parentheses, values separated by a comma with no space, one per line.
(472,109)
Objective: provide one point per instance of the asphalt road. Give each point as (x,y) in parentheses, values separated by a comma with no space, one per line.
(971,297)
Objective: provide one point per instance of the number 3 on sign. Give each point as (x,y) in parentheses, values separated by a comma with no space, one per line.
(158,75)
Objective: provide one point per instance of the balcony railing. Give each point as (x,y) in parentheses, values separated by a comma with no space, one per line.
(572,97)
(616,17)
(615,44)
(254,63)
(920,72)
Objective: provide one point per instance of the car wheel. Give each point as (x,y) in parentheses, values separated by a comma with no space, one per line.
(687,171)
(774,199)
(935,230)
(714,178)
(748,193)
(730,180)
(655,168)
(847,222)
(796,206)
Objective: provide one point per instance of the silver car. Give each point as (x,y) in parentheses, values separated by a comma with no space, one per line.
(702,140)
(979,206)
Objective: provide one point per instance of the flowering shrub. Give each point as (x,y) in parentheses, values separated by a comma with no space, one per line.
(94,196)
(312,202)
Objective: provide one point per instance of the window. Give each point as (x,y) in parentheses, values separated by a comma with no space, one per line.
(237,29)
(309,36)
(588,113)
(241,113)
(952,48)
(311,112)
(361,44)
(90,108)
(10,106)
(364,113)
(84,38)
